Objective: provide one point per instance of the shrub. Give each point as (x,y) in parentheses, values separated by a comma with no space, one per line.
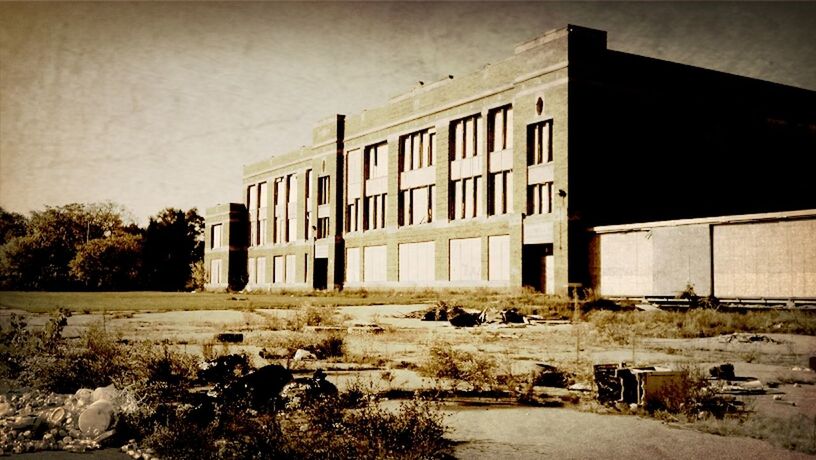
(688,395)
(446,362)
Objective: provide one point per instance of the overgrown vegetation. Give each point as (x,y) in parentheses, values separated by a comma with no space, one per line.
(621,326)
(458,367)
(162,412)
(797,432)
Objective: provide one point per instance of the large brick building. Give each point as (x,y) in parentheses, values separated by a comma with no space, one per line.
(513,176)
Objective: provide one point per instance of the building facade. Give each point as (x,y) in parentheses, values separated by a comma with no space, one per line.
(502,177)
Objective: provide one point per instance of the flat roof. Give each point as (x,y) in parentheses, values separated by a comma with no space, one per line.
(734,219)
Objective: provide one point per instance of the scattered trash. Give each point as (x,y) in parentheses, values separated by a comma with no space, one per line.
(619,383)
(551,376)
(723,372)
(439,313)
(301,391)
(35,421)
(260,387)
(580,387)
(302,355)
(365,329)
(513,316)
(224,369)
(745,387)
(461,318)
(230,337)
(747,338)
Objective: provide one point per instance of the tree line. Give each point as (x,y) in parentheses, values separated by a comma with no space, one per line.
(98,247)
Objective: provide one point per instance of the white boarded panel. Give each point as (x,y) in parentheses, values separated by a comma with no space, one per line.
(290,269)
(765,259)
(353,265)
(466,259)
(416,262)
(261,271)
(277,270)
(251,270)
(374,264)
(215,271)
(626,263)
(498,258)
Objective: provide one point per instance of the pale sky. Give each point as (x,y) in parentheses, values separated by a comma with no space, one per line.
(153,105)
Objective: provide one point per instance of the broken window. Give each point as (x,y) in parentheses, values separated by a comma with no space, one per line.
(539,143)
(291,207)
(500,129)
(467,137)
(466,184)
(376,186)
(322,227)
(500,193)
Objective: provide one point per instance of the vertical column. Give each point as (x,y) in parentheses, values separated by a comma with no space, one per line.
(392,200)
(442,168)
(483,163)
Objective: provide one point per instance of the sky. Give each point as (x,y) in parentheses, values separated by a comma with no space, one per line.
(154,105)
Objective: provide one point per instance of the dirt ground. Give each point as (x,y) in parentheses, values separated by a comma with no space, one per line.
(386,360)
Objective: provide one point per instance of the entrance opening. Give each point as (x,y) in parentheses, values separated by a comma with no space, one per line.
(321,272)
(537,269)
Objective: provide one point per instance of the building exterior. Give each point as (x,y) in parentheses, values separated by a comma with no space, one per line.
(511,176)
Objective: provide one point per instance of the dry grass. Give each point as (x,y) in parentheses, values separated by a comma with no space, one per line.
(621,326)
(795,433)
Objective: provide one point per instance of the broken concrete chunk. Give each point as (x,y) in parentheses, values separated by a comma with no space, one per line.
(109,393)
(96,418)
(83,396)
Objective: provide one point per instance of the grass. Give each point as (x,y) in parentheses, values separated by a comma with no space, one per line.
(621,326)
(795,433)
(42,302)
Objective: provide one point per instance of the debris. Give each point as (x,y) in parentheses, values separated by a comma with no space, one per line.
(550,376)
(723,371)
(513,316)
(108,393)
(747,338)
(748,387)
(812,363)
(224,369)
(777,397)
(365,329)
(461,318)
(301,391)
(580,387)
(607,382)
(439,313)
(96,418)
(618,383)
(261,387)
(230,337)
(301,355)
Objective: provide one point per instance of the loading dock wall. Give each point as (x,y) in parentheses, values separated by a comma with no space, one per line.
(767,256)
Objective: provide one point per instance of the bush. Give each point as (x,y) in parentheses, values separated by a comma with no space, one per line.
(445,362)
(689,395)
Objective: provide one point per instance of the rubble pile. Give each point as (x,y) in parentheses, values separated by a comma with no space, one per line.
(37,421)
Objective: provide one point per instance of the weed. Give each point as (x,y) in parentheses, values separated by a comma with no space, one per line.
(794,433)
(460,367)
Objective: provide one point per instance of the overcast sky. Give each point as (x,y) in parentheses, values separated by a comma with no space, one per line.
(153,105)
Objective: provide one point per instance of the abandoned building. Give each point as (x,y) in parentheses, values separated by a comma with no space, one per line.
(566,164)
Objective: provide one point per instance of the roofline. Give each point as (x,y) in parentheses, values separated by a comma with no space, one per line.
(734,219)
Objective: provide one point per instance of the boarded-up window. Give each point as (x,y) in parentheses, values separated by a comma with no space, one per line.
(260,272)
(354,187)
(374,262)
(277,270)
(416,262)
(498,261)
(290,269)
(251,270)
(626,263)
(215,271)
(353,265)
(466,259)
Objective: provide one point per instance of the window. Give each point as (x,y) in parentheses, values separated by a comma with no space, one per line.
(278,211)
(354,186)
(323,190)
(215,236)
(322,227)
(466,139)
(500,129)
(539,143)
(291,207)
(376,186)
(539,198)
(308,214)
(417,194)
(500,193)
(256,205)
(466,182)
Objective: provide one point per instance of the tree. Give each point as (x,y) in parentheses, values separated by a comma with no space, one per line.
(12,225)
(111,263)
(173,242)
(40,258)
